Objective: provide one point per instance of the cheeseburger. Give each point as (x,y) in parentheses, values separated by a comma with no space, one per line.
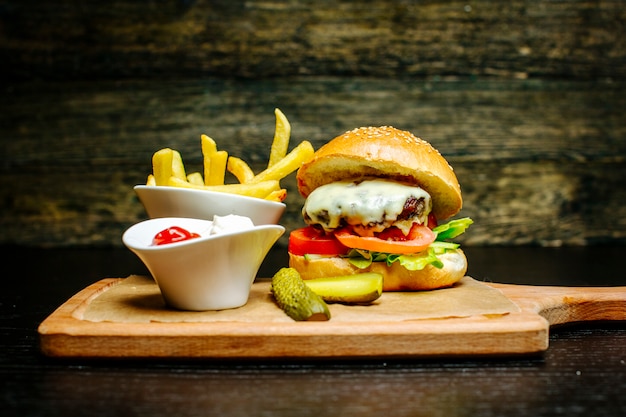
(374,200)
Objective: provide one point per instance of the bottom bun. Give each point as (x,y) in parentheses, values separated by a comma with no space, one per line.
(395,277)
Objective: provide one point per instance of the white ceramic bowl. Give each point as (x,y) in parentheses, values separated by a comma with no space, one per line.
(164,201)
(212,272)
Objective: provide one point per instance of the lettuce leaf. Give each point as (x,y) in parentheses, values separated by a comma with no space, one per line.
(415,262)
(452,229)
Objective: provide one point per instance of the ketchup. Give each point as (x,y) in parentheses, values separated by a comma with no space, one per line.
(173,234)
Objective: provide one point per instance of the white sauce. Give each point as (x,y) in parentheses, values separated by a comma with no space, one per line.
(367,203)
(230,223)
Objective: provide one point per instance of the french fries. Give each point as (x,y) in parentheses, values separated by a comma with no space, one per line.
(280,144)
(303,152)
(217,172)
(162,166)
(214,161)
(240,169)
(167,163)
(277,195)
(195,178)
(178,168)
(259,190)
(168,168)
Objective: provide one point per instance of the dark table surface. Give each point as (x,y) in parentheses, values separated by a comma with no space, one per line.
(583,373)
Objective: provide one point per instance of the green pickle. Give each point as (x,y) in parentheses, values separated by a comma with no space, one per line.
(296,299)
(306,299)
(348,289)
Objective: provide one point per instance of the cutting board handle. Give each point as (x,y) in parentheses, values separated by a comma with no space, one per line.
(560,305)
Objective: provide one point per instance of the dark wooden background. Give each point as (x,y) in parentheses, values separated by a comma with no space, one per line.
(526,99)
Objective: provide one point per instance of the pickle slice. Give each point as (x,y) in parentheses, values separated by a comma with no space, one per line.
(348,289)
(296,299)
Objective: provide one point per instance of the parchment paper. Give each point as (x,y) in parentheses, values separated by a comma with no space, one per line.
(137,299)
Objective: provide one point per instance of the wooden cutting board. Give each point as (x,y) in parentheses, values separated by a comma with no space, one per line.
(111,319)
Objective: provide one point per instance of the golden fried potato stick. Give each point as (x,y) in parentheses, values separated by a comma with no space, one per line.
(195,178)
(280,144)
(162,165)
(291,162)
(278,195)
(168,167)
(240,169)
(217,169)
(260,189)
(208,145)
(209,148)
(178,168)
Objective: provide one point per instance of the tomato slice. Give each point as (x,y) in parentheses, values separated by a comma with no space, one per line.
(311,241)
(393,233)
(422,237)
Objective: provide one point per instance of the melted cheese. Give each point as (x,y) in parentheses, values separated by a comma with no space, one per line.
(370,206)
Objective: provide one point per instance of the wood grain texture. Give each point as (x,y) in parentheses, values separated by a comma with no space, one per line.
(65,333)
(525,100)
(173,38)
(539,162)
(582,373)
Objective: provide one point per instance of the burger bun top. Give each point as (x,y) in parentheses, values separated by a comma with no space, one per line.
(384,152)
